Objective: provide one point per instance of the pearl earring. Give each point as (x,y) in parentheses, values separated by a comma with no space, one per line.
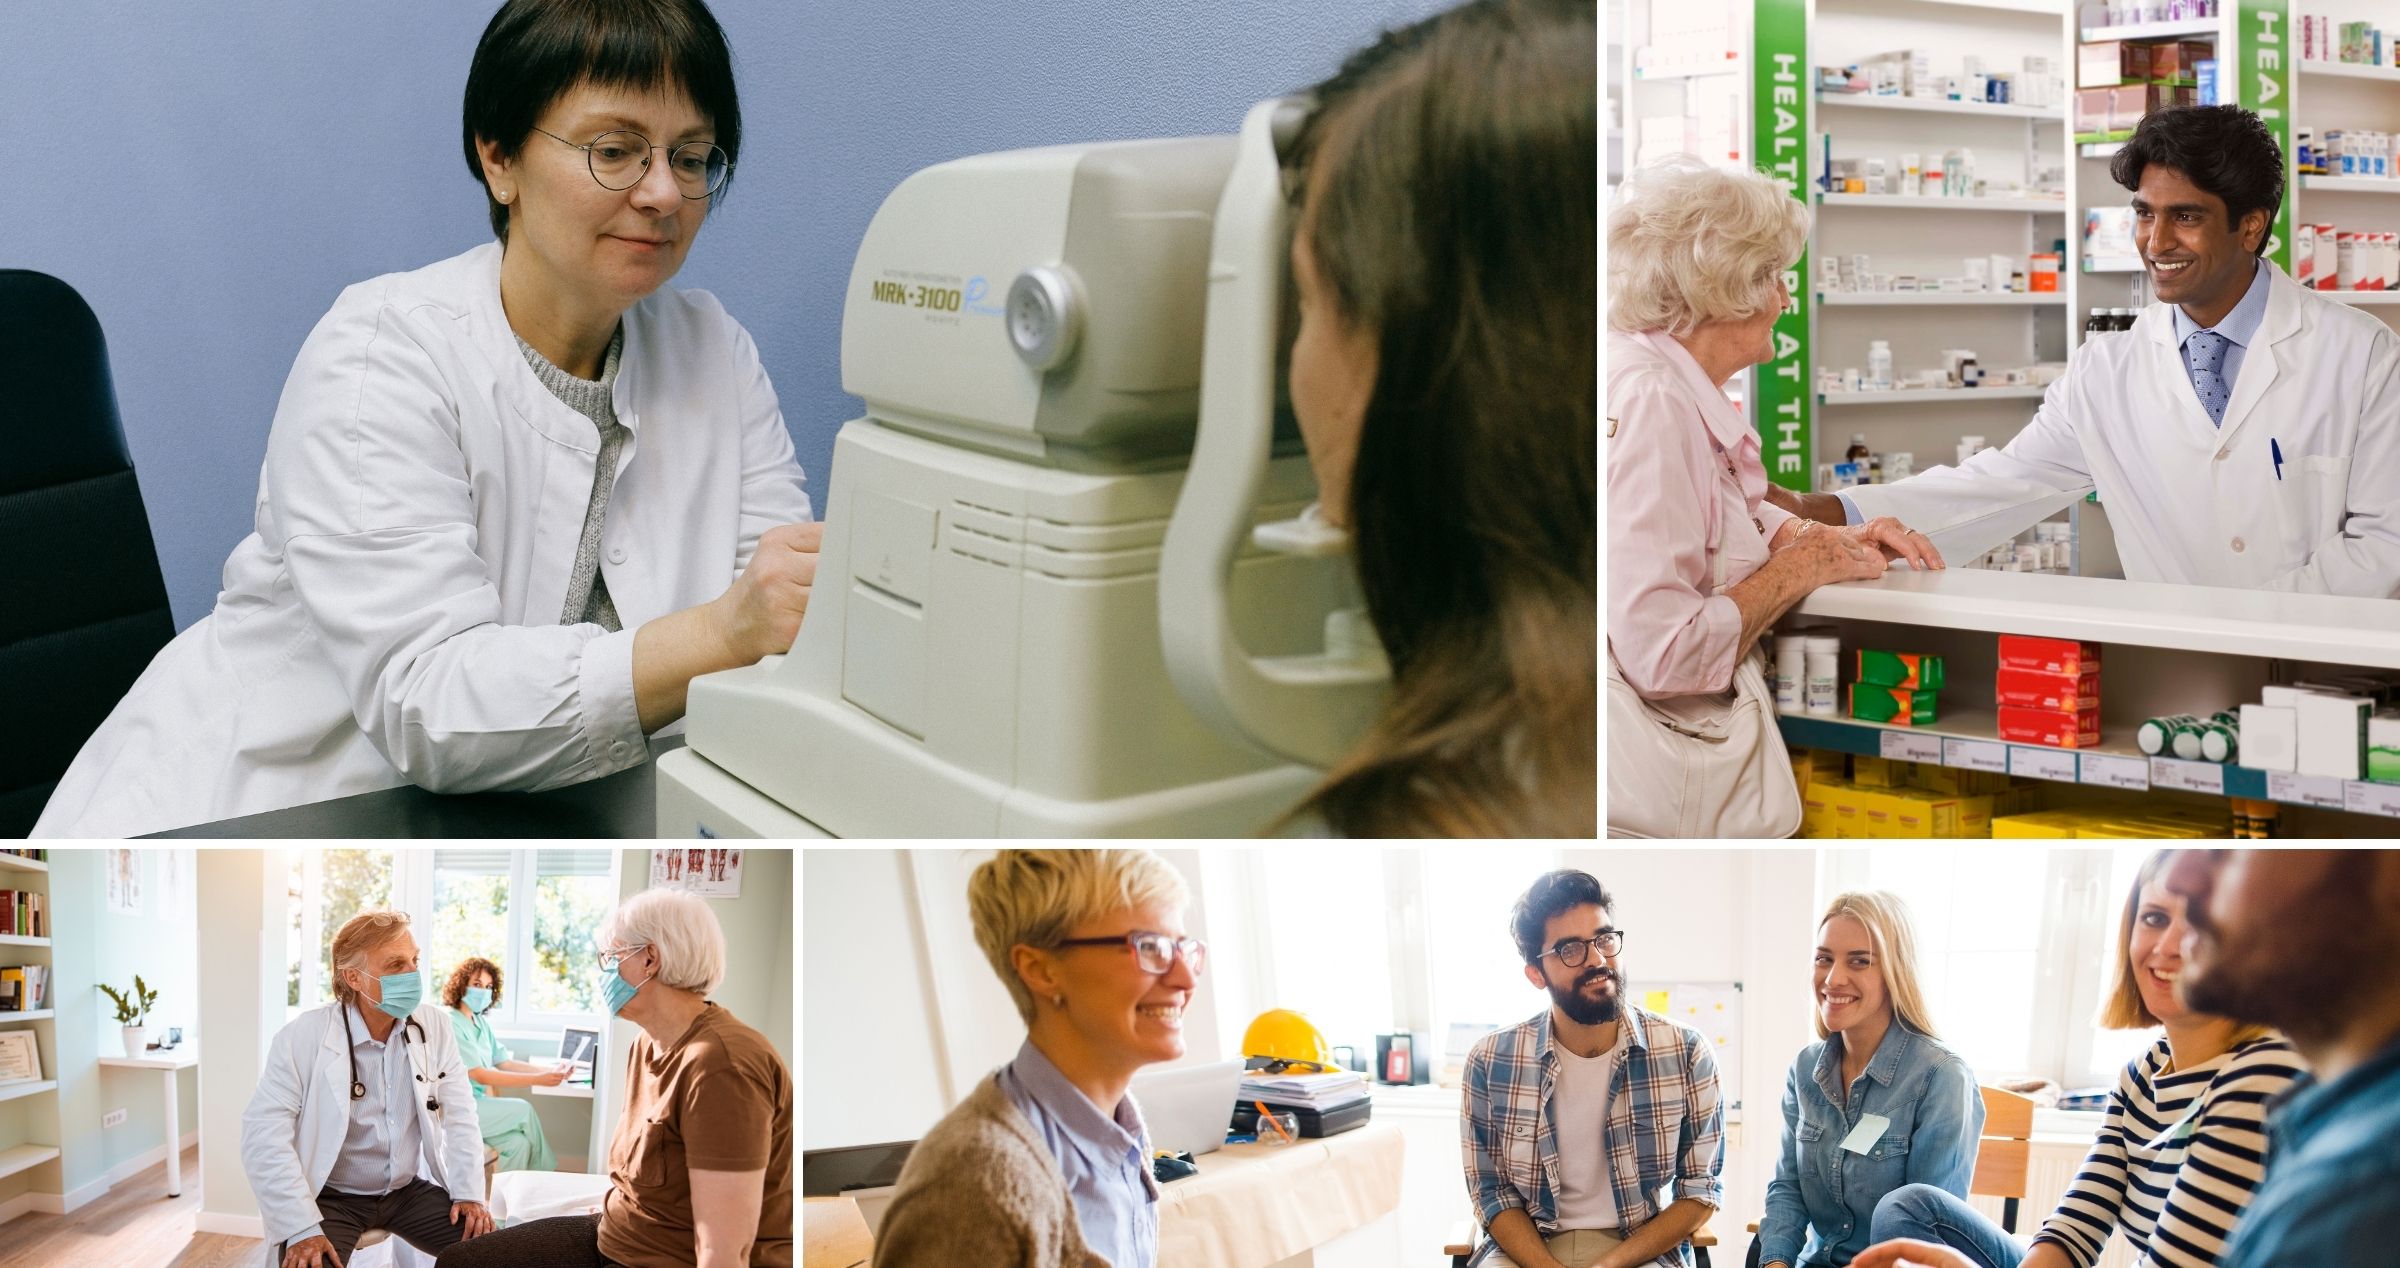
(504,196)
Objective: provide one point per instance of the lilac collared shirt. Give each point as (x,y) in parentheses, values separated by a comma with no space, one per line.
(1685,485)
(1104,1157)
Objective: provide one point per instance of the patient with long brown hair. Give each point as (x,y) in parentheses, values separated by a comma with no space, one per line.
(1444,378)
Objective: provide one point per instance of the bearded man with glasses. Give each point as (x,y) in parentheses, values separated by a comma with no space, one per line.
(1574,1122)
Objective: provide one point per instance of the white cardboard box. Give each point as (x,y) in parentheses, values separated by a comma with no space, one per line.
(2270,737)
(2333,735)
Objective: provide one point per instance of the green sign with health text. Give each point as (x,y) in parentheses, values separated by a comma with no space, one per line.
(1779,137)
(2266,90)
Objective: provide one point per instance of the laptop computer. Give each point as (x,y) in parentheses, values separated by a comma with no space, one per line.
(1188,1107)
(579,1047)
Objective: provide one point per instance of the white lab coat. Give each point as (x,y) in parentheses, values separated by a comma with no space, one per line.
(2190,502)
(394,618)
(293,1128)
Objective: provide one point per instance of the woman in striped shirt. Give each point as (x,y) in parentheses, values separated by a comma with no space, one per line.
(2198,1096)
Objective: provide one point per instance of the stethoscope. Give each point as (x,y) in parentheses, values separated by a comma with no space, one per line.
(417,1058)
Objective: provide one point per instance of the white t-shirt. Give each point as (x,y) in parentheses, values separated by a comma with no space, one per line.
(1579,1115)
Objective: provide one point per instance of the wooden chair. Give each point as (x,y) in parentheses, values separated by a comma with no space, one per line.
(2003,1158)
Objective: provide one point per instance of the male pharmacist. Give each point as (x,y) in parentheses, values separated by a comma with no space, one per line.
(2244,432)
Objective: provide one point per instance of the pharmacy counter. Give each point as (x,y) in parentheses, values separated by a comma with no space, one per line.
(2167,649)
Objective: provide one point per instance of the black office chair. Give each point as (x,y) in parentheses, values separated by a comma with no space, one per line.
(82,605)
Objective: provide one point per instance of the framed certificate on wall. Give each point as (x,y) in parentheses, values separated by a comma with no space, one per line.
(20,1062)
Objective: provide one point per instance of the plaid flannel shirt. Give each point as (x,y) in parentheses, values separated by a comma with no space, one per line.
(1665,1127)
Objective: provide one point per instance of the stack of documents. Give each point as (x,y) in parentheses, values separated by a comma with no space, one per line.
(1319,1092)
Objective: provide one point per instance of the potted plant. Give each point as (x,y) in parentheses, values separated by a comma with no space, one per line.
(133,1014)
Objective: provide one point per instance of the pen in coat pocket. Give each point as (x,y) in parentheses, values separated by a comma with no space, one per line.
(2276,447)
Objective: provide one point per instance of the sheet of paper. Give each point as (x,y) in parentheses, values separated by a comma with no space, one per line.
(1869,1130)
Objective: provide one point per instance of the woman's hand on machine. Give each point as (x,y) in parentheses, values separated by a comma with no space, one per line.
(760,614)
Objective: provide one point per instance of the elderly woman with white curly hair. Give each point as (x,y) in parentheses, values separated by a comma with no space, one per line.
(700,1168)
(1700,561)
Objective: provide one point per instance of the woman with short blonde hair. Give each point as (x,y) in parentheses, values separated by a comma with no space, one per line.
(1701,563)
(1047,1163)
(2180,1150)
(1877,1104)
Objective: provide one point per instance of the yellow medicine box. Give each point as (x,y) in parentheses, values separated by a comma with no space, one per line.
(1880,772)
(2039,824)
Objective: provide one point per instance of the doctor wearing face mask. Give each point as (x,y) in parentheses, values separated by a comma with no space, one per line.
(509,1123)
(362,1118)
(2245,432)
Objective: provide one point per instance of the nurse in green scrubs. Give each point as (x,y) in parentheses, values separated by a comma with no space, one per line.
(509,1123)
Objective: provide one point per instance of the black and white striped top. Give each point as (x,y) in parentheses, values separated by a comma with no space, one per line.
(2177,1157)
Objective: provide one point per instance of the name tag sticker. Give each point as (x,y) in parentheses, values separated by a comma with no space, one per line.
(1869,1130)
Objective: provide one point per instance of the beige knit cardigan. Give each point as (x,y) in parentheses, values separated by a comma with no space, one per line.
(982,1189)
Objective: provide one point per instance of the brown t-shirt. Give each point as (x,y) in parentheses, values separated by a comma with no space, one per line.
(717,1099)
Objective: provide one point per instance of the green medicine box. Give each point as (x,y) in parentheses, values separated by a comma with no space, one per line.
(1900,669)
(1899,706)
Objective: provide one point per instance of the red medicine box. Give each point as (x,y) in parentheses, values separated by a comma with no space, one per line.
(2078,728)
(2047,655)
(2059,693)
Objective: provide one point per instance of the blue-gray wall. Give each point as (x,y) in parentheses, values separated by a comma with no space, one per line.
(209,176)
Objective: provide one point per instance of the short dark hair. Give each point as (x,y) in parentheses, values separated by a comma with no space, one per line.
(1556,892)
(2225,150)
(536,51)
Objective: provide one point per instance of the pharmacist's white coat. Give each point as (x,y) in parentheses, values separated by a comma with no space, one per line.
(2191,502)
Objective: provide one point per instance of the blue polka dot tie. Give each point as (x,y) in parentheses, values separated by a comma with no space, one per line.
(2204,353)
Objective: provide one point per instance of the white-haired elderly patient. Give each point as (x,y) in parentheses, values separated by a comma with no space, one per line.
(700,1166)
(363,1118)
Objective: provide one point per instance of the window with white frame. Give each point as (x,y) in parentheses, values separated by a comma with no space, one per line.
(2016,949)
(533,912)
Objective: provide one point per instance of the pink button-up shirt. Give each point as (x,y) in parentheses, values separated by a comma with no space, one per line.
(1685,487)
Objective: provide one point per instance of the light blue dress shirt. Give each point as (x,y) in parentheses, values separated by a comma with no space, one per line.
(380,1148)
(1105,1158)
(2239,327)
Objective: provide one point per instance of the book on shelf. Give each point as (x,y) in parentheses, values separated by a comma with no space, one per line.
(35,854)
(24,988)
(27,915)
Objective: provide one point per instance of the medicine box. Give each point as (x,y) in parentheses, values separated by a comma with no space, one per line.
(1816,810)
(2091,111)
(2057,729)
(1880,772)
(2175,60)
(2059,693)
(2270,737)
(2383,747)
(1900,669)
(2047,655)
(1957,781)
(1894,706)
(2333,735)
(2048,824)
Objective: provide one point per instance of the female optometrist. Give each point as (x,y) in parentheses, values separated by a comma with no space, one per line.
(513,502)
(2244,432)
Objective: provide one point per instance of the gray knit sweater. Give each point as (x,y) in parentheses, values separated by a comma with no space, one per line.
(595,399)
(982,1189)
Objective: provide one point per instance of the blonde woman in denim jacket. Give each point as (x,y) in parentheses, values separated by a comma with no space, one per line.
(1876,1104)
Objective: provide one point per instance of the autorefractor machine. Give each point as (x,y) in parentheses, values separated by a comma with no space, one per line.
(1068,587)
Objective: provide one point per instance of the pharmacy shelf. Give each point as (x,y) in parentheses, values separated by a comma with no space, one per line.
(2090,267)
(20,863)
(2046,8)
(2152,30)
(1969,739)
(1930,395)
(2212,619)
(21,1157)
(2362,297)
(2351,70)
(19,940)
(11,1091)
(1730,64)
(2053,206)
(1940,105)
(30,1014)
(2351,184)
(2002,299)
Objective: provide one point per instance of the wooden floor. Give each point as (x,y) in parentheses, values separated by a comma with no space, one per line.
(136,1225)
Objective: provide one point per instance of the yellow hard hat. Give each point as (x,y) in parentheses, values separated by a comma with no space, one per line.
(1288,1041)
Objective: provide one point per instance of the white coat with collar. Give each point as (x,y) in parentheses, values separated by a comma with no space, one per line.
(394,618)
(292,1131)
(2191,502)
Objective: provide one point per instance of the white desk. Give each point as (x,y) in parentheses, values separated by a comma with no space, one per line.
(581,1091)
(171,1064)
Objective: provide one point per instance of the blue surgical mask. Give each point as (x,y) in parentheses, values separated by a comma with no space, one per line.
(616,992)
(402,992)
(478,998)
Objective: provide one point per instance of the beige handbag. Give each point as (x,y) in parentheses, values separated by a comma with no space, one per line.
(1700,765)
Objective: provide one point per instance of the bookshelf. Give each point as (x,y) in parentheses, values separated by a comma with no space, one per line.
(31,1126)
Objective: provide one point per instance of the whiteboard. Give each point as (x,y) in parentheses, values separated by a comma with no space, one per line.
(1715,1010)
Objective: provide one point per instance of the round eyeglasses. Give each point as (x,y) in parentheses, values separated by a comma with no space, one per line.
(1572,952)
(612,957)
(619,160)
(1155,952)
